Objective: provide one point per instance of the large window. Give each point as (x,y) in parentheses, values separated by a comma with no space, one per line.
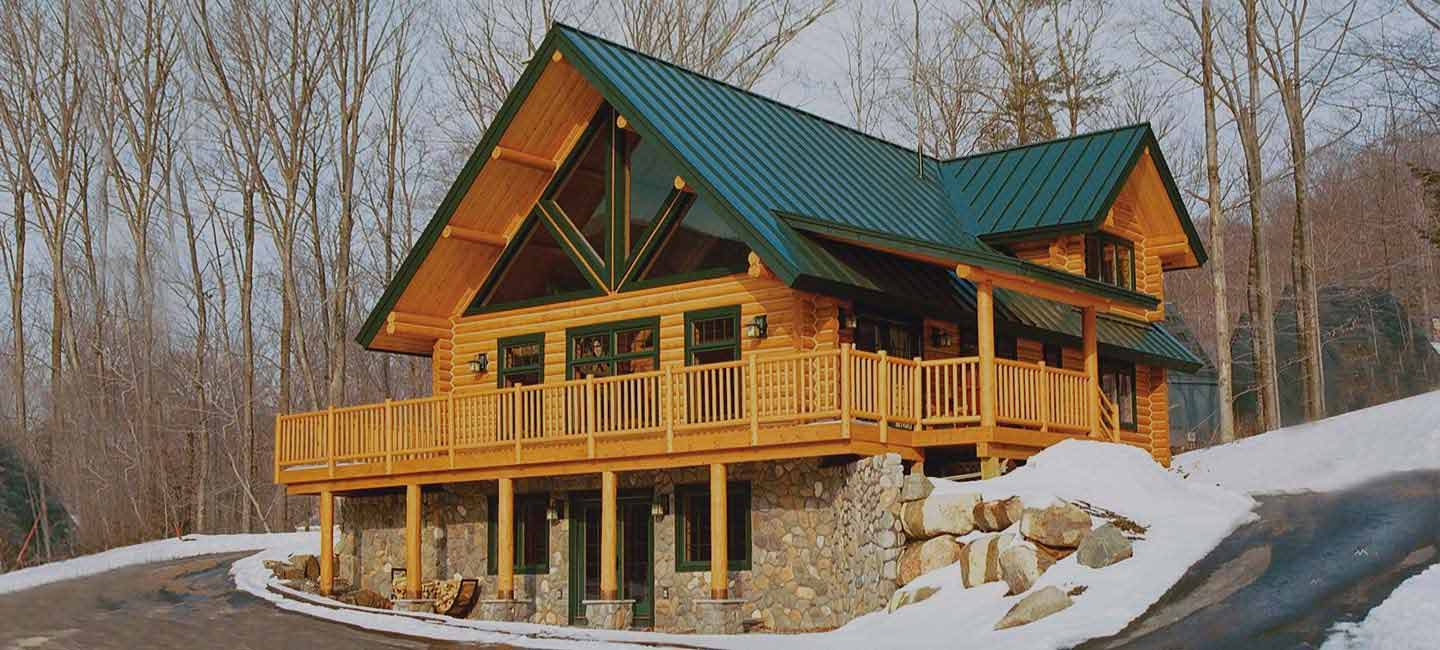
(532,534)
(522,361)
(1117,380)
(692,526)
(898,338)
(539,269)
(613,349)
(712,335)
(582,196)
(1110,259)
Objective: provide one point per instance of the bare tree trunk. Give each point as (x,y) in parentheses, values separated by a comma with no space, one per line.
(1263,302)
(1223,366)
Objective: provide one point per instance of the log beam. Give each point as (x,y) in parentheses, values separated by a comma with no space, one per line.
(609,488)
(1090,349)
(417,319)
(1037,288)
(471,235)
(505,540)
(524,159)
(719,542)
(412,540)
(400,328)
(327,542)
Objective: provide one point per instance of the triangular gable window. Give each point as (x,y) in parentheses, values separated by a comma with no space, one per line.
(697,241)
(534,269)
(582,196)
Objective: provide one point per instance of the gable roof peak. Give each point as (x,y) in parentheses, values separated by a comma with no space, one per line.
(1041,143)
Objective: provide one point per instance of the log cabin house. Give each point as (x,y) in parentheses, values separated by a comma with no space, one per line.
(685,341)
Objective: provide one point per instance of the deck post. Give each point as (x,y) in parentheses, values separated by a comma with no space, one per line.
(846,389)
(505,540)
(985,336)
(1092,367)
(885,397)
(719,542)
(327,542)
(917,387)
(330,437)
(608,561)
(412,540)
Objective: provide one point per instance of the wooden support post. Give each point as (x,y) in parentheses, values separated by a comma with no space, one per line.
(505,540)
(989,467)
(754,405)
(883,366)
(1092,366)
(327,542)
(985,335)
(609,487)
(719,541)
(846,388)
(412,540)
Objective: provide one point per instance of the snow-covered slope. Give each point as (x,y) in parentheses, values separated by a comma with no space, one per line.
(1330,454)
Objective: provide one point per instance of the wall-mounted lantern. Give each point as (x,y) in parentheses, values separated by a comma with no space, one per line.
(480,363)
(555,510)
(758,327)
(847,320)
(940,337)
(660,506)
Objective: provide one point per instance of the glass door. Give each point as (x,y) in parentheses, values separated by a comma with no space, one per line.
(635,536)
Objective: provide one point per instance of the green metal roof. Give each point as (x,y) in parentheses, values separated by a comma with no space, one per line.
(1118,337)
(777,170)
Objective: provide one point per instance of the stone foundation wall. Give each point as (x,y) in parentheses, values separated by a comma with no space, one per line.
(825,542)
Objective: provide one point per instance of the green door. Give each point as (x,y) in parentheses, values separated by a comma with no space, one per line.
(636,551)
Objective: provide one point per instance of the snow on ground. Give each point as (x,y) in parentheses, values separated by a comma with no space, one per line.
(1185,521)
(156,551)
(1331,454)
(1405,621)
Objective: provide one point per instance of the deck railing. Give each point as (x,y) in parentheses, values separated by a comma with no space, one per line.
(759,393)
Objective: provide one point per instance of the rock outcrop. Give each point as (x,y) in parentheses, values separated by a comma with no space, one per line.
(915,488)
(1061,525)
(1034,607)
(1103,547)
(942,514)
(1022,564)
(980,559)
(995,516)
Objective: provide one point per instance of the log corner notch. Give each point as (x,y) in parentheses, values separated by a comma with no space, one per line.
(1033,287)
(399,323)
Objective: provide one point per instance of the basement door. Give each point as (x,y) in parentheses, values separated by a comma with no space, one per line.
(635,537)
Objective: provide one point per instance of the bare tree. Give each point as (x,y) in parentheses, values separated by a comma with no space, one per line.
(868,70)
(1021,96)
(1223,365)
(1082,77)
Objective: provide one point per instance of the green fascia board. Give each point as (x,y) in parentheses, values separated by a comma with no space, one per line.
(458,189)
(981,256)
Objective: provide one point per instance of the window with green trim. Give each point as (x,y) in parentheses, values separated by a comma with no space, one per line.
(1110,259)
(692,526)
(583,195)
(1117,380)
(535,269)
(532,534)
(522,361)
(712,335)
(613,349)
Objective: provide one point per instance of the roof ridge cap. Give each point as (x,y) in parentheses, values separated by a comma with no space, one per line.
(1067,138)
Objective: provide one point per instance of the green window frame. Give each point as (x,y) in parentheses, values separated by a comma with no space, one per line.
(1110,259)
(609,336)
(1117,380)
(701,334)
(692,526)
(532,534)
(504,370)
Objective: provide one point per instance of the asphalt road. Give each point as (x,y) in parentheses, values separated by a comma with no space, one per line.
(1310,561)
(181,604)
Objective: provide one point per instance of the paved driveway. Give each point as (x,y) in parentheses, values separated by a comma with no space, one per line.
(181,604)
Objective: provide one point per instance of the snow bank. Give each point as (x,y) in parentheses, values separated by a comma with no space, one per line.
(156,551)
(1405,620)
(1185,521)
(1331,454)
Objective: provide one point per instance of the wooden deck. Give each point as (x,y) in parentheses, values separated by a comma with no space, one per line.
(767,406)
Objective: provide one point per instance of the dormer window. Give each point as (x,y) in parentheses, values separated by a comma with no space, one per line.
(1110,259)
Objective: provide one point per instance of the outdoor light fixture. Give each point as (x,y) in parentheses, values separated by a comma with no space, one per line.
(660,506)
(758,327)
(555,510)
(940,338)
(847,320)
(480,363)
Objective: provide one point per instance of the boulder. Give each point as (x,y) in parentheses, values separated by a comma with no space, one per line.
(1034,607)
(938,552)
(1062,525)
(995,516)
(915,488)
(980,559)
(908,567)
(1021,565)
(368,598)
(1103,547)
(943,514)
(310,564)
(287,572)
(902,598)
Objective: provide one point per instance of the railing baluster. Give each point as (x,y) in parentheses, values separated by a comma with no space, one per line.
(754,404)
(590,415)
